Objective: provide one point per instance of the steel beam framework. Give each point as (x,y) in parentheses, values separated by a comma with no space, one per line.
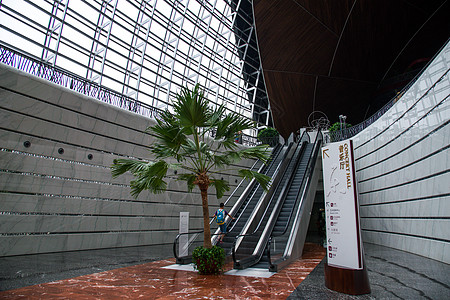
(147,50)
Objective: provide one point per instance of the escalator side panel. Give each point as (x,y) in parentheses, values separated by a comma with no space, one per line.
(298,234)
(247,207)
(249,244)
(301,221)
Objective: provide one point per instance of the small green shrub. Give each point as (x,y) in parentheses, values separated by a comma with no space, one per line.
(208,260)
(337,126)
(268,136)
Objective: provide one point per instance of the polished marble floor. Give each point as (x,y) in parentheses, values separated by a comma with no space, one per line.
(165,280)
(134,273)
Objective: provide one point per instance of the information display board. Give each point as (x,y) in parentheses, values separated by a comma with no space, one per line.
(341,206)
(184,239)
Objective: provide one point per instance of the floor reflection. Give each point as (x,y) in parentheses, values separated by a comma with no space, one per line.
(151,281)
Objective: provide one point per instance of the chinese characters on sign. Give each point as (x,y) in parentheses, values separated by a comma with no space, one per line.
(344,163)
(341,206)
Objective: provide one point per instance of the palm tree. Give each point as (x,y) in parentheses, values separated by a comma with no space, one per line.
(199,141)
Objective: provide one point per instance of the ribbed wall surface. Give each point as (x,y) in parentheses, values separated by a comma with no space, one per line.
(56,190)
(402,164)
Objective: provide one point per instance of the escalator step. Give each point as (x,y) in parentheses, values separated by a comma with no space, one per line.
(261,265)
(264,259)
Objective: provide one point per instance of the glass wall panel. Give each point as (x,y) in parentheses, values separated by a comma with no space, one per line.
(146,50)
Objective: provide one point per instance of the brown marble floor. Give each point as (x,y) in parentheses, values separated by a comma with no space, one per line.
(151,281)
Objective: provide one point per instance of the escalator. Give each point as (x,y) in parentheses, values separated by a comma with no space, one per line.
(242,210)
(278,230)
(289,205)
(268,224)
(247,198)
(243,257)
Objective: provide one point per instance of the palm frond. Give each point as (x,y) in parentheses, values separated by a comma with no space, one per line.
(262,179)
(261,152)
(190,147)
(189,178)
(169,134)
(219,161)
(154,184)
(157,169)
(163,151)
(191,108)
(223,128)
(228,127)
(221,187)
(123,165)
(149,175)
(228,157)
(216,116)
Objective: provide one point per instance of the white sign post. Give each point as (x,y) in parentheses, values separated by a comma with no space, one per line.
(183,242)
(341,206)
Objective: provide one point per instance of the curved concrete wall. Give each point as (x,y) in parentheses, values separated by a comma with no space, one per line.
(402,166)
(56,190)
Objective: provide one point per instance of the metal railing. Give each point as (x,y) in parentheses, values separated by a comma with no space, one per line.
(347,133)
(190,245)
(34,66)
(59,76)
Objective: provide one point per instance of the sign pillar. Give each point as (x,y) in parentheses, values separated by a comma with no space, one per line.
(183,242)
(345,270)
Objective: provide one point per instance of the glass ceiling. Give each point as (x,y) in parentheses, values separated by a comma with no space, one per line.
(146,50)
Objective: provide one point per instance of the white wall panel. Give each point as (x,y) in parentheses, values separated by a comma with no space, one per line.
(403,168)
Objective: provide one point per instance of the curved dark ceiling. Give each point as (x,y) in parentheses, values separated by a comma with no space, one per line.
(340,57)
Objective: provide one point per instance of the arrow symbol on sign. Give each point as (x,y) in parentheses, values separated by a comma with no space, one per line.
(324,152)
(329,241)
(327,203)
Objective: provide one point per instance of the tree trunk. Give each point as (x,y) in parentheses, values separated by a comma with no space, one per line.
(207,230)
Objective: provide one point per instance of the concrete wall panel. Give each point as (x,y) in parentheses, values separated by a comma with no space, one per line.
(72,242)
(47,205)
(85,224)
(52,201)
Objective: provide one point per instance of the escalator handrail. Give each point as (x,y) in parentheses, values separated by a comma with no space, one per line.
(301,141)
(190,242)
(308,174)
(233,251)
(295,203)
(236,207)
(265,211)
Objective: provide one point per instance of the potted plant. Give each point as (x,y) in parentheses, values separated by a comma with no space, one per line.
(338,131)
(337,126)
(208,260)
(269,136)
